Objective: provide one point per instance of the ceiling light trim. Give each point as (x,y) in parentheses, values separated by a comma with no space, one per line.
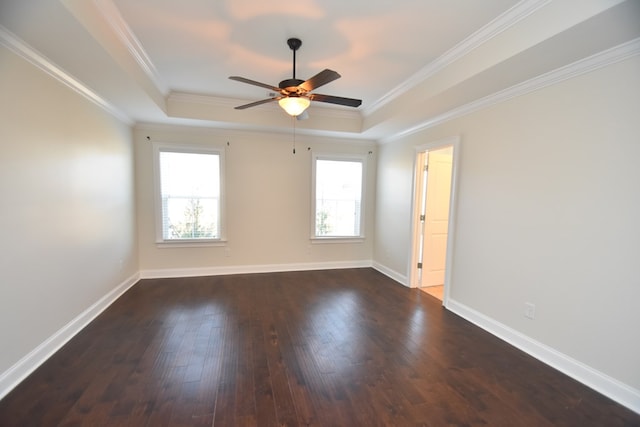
(503,22)
(591,63)
(28,53)
(124,33)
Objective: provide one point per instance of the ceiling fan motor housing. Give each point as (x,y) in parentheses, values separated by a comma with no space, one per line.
(291,85)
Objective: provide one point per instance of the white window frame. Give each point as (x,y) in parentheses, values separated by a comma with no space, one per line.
(350,157)
(159,147)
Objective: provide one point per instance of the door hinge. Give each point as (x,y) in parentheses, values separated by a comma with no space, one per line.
(426,168)
(419,265)
(422,217)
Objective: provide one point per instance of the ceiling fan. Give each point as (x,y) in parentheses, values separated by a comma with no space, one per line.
(294,95)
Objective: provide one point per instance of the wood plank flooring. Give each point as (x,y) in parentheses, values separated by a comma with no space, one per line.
(434,291)
(323,348)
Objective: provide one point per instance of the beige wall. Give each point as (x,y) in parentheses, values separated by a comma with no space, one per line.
(67,206)
(268,204)
(548,208)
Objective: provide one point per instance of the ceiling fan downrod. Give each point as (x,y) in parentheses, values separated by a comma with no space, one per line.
(294,45)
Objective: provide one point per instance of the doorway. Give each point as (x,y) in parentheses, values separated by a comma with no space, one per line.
(433,201)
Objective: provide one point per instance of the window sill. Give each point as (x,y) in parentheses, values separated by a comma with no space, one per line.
(191,243)
(325,240)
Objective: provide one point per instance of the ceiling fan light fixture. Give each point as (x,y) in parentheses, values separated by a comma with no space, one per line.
(294,105)
(294,95)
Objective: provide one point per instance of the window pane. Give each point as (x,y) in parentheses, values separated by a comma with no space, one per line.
(190,192)
(338,194)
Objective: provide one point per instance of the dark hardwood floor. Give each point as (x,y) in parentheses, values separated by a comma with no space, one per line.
(325,348)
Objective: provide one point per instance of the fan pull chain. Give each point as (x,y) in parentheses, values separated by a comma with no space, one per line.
(294,118)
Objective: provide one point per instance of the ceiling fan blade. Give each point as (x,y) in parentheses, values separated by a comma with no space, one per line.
(254,104)
(320,79)
(349,102)
(255,83)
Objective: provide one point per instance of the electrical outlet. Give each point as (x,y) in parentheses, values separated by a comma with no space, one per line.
(529,310)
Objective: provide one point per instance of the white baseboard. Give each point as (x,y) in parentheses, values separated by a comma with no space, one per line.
(247,269)
(400,278)
(600,382)
(25,366)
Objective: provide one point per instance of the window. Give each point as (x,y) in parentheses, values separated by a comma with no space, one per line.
(337,196)
(189,194)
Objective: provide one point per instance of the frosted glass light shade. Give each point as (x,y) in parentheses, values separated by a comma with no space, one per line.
(294,105)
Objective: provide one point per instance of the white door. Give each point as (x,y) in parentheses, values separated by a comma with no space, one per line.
(436,222)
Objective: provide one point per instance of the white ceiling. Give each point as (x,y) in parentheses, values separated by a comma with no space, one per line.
(168,61)
(375,44)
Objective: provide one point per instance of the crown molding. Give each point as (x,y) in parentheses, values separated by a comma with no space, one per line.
(503,22)
(583,66)
(124,33)
(22,49)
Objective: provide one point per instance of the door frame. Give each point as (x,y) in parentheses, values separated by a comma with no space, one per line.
(454,142)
